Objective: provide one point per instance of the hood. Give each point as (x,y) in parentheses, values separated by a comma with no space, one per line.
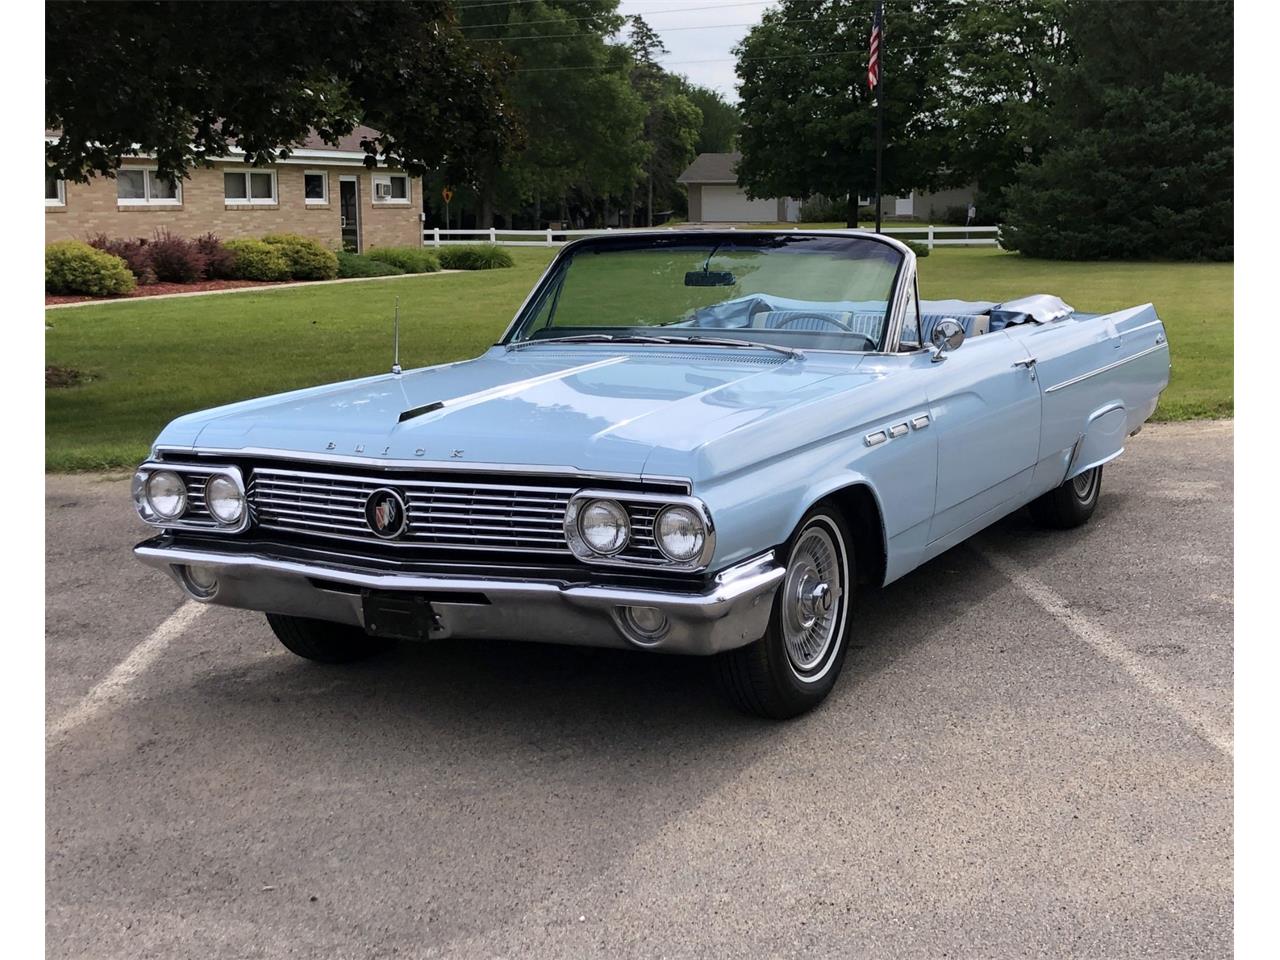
(595,408)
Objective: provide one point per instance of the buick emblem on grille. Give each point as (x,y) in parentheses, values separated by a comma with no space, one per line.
(385,513)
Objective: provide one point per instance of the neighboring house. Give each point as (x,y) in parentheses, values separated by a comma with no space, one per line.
(715,197)
(932,207)
(320,191)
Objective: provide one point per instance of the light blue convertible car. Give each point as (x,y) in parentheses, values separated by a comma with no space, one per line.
(695,442)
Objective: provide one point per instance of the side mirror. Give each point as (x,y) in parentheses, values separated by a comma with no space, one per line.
(947,335)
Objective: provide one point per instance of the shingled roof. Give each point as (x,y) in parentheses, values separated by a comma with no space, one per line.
(712,168)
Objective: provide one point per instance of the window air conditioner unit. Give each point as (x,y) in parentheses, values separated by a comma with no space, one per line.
(382,191)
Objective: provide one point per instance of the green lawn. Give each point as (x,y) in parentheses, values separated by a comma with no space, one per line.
(151,361)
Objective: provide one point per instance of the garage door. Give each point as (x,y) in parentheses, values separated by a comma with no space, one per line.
(729,203)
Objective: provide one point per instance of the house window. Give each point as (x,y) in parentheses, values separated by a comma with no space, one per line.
(136,187)
(391,188)
(249,186)
(55,191)
(315,186)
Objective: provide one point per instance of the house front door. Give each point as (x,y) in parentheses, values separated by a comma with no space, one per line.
(349,204)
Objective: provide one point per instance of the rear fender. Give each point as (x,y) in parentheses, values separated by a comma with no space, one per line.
(1102,440)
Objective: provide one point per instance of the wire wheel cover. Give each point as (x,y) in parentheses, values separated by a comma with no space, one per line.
(811,598)
(1084,484)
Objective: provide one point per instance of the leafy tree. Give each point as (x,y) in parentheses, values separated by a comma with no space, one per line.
(720,120)
(808,118)
(186,81)
(572,93)
(672,121)
(1139,158)
(1002,50)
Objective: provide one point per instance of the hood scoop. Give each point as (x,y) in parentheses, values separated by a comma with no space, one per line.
(419,411)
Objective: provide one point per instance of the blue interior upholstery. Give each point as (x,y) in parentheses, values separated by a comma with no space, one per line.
(970,322)
(867,324)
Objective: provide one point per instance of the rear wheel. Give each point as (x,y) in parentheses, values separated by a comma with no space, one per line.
(325,642)
(794,666)
(1071,504)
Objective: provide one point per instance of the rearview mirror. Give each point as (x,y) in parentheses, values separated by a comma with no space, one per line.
(947,335)
(709,278)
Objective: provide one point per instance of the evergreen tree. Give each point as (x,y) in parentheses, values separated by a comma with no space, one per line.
(1138,163)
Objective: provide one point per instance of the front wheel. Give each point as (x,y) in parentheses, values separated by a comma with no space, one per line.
(325,642)
(794,666)
(1070,504)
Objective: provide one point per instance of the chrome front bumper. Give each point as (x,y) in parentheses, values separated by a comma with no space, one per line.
(732,612)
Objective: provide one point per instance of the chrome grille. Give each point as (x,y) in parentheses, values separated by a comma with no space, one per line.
(478,515)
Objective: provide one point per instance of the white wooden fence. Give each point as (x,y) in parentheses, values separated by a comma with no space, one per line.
(927,234)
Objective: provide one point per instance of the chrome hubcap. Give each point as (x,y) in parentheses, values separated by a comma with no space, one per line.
(1083,484)
(811,599)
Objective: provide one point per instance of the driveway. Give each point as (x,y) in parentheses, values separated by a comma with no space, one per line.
(1029,754)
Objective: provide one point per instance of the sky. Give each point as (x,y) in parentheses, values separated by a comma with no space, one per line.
(700,30)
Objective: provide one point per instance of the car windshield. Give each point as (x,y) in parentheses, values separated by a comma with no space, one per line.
(822,292)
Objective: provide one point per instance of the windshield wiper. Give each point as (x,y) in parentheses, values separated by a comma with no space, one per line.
(665,341)
(732,342)
(590,338)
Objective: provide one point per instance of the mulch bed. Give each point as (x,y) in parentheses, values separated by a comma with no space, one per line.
(155,289)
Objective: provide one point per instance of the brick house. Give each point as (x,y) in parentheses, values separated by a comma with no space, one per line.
(320,191)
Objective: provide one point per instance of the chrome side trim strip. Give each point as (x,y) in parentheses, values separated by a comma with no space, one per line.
(1110,366)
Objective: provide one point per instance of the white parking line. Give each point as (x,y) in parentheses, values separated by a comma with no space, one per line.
(109,689)
(1053,604)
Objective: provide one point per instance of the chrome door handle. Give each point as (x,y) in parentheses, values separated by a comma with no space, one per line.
(1028,363)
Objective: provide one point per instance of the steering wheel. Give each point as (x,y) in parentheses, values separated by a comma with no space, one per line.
(820,317)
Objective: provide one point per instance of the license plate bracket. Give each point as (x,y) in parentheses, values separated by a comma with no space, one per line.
(404,616)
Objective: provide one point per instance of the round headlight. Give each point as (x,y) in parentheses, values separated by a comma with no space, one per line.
(224,499)
(604,526)
(680,533)
(166,494)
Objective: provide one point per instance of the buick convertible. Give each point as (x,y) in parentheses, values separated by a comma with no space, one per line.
(688,441)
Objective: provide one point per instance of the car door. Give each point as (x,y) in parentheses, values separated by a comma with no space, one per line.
(984,403)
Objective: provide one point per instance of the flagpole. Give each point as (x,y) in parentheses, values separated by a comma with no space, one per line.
(879,107)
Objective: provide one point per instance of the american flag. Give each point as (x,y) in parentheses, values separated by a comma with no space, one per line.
(873,57)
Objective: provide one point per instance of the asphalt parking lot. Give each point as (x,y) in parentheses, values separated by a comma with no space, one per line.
(1029,754)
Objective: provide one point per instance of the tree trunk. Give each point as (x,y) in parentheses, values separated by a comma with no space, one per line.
(851,209)
(486,209)
(650,218)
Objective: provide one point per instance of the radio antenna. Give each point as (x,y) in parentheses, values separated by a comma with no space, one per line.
(395,356)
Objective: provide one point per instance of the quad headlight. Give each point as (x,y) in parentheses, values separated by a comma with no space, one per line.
(191,496)
(165,494)
(605,527)
(680,533)
(223,498)
(624,528)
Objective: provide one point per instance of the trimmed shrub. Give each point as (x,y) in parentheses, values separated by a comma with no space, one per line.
(308,259)
(136,253)
(356,265)
(475,256)
(256,260)
(920,249)
(221,261)
(822,209)
(74,267)
(177,259)
(408,259)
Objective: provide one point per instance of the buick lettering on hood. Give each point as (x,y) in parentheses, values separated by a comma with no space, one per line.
(694,442)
